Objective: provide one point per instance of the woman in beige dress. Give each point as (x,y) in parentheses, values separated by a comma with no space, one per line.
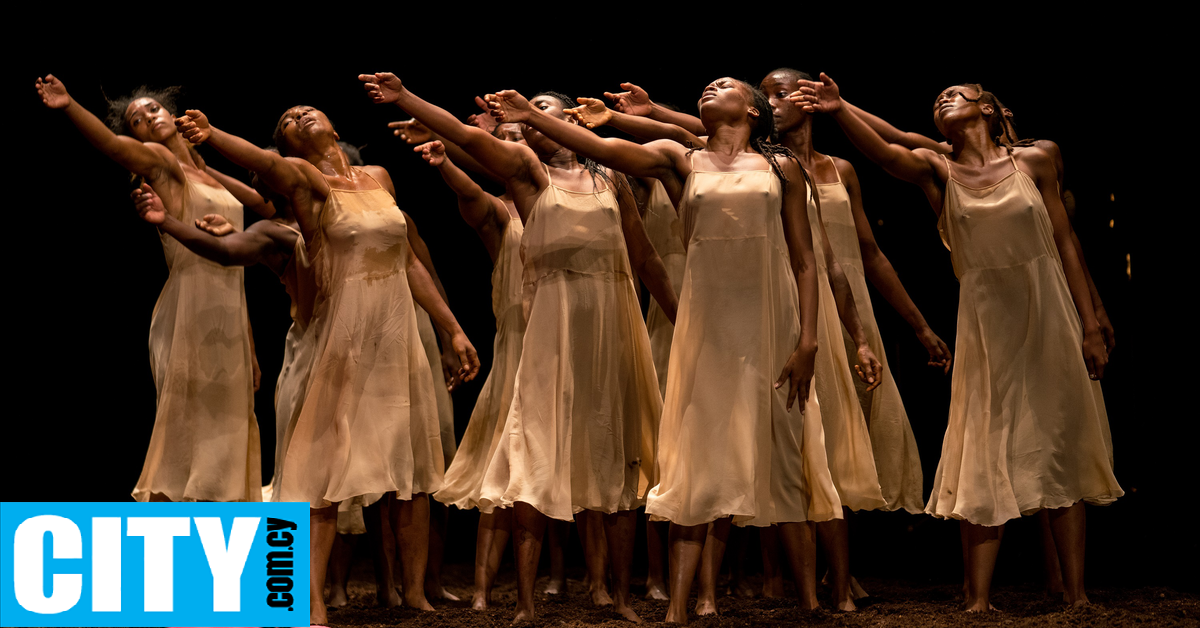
(1028,429)
(205,444)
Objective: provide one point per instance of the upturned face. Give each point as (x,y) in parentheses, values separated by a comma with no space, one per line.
(956,104)
(726,98)
(303,126)
(777,86)
(149,121)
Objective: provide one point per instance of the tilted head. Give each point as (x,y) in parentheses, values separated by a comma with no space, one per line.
(301,130)
(777,85)
(146,114)
(958,105)
(509,132)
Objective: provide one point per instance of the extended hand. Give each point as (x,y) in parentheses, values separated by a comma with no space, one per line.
(798,372)
(215,224)
(508,106)
(466,357)
(382,87)
(939,353)
(194,126)
(450,369)
(592,114)
(817,97)
(1095,355)
(53,93)
(434,152)
(483,121)
(411,131)
(149,205)
(868,368)
(634,101)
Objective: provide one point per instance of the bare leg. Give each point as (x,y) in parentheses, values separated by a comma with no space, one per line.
(411,525)
(559,530)
(322,529)
(595,554)
(966,562)
(1050,567)
(835,539)
(528,527)
(736,550)
(983,544)
(656,580)
(494,528)
(1069,526)
(377,517)
(437,541)
(772,571)
(800,542)
(710,565)
(339,568)
(686,546)
(620,528)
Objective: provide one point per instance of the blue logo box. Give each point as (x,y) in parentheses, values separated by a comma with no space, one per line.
(153,564)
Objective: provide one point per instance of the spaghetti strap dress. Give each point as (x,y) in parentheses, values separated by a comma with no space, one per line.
(301,286)
(369,420)
(897,460)
(728,445)
(583,424)
(847,440)
(665,232)
(464,478)
(1028,428)
(205,445)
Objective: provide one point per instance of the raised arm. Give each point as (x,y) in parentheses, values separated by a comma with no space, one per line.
(243,248)
(1095,354)
(798,371)
(883,276)
(485,213)
(506,160)
(149,161)
(416,134)
(892,135)
(916,167)
(635,101)
(246,195)
(592,114)
(657,159)
(646,261)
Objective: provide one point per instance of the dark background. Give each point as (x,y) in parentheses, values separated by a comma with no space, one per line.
(85,271)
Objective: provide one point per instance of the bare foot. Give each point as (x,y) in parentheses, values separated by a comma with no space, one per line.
(440,593)
(976,607)
(772,588)
(847,605)
(418,602)
(318,617)
(1081,601)
(856,589)
(742,589)
(706,607)
(627,612)
(656,591)
(389,599)
(479,601)
(676,618)
(523,616)
(337,597)
(555,586)
(600,597)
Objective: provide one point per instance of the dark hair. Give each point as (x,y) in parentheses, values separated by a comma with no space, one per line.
(116,108)
(763,139)
(352,154)
(277,134)
(796,73)
(592,167)
(1000,126)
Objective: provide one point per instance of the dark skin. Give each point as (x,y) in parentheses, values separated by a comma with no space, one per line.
(521,169)
(915,140)
(317,167)
(728,114)
(979,162)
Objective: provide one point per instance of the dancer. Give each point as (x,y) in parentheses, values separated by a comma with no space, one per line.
(737,450)
(580,434)
(368,422)
(500,230)
(205,444)
(1028,428)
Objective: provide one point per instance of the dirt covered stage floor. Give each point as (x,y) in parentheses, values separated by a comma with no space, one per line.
(893,603)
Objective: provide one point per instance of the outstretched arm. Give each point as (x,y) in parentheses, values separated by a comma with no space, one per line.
(505,159)
(485,213)
(646,262)
(883,276)
(246,195)
(244,248)
(592,114)
(635,101)
(416,134)
(147,161)
(892,135)
(798,371)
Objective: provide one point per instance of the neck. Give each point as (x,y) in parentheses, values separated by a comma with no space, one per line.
(331,161)
(562,159)
(728,139)
(973,145)
(799,140)
(179,147)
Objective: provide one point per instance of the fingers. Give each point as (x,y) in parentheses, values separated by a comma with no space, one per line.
(481,103)
(611,96)
(793,391)
(802,394)
(367,78)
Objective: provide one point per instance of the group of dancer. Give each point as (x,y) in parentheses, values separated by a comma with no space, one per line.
(755,393)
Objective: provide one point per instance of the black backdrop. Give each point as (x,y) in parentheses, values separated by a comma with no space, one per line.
(85,271)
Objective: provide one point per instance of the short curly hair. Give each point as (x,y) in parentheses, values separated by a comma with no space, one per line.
(116,108)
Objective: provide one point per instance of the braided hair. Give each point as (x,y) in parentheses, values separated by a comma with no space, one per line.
(763,138)
(593,168)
